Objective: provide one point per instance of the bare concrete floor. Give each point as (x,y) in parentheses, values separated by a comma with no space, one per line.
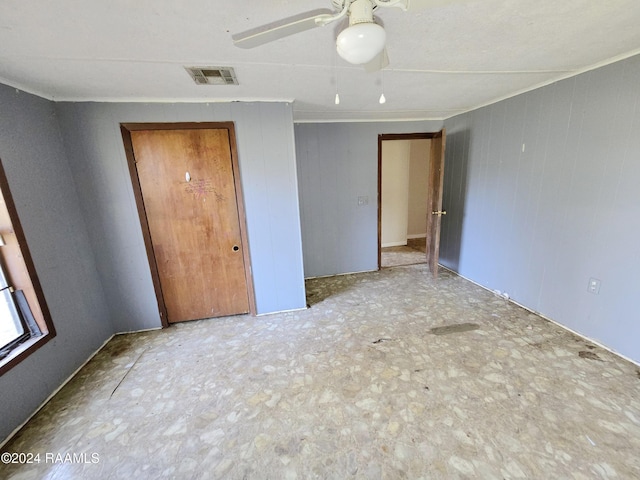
(388,375)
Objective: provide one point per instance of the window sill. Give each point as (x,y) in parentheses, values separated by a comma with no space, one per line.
(22,351)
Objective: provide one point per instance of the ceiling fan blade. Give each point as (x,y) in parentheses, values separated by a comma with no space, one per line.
(412,5)
(378,63)
(283,28)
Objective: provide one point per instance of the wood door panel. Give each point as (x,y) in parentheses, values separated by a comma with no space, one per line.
(436,182)
(193,223)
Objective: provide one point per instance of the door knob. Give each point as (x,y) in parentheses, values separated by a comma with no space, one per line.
(439,212)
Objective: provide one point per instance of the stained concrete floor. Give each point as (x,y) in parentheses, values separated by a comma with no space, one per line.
(388,375)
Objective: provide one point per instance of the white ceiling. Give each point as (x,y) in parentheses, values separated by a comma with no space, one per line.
(444,60)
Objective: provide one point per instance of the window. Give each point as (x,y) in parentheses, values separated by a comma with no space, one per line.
(25,322)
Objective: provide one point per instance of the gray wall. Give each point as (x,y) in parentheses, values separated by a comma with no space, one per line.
(337,163)
(266,155)
(539,224)
(47,203)
(68,174)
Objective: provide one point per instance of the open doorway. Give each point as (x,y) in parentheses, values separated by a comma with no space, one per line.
(432,180)
(404,197)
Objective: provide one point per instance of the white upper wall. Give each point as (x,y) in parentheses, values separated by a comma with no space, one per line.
(418,187)
(396,159)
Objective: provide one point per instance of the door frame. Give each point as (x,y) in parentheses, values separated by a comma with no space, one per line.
(126,129)
(436,194)
(381,138)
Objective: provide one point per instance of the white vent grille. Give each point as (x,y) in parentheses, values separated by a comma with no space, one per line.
(212,75)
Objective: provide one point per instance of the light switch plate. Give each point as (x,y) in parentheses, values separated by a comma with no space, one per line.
(594,286)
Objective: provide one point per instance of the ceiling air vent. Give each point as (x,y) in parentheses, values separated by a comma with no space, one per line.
(212,75)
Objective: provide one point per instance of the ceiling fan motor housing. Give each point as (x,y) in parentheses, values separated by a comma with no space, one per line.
(360,11)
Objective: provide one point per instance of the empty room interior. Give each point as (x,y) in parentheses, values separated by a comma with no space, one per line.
(372,239)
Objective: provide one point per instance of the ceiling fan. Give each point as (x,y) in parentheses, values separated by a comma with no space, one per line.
(362,43)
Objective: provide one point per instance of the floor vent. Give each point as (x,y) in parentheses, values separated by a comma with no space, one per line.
(212,75)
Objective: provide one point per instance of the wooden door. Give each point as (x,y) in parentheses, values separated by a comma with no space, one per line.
(188,188)
(436,179)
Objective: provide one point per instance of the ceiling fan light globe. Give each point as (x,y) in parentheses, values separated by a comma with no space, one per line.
(360,43)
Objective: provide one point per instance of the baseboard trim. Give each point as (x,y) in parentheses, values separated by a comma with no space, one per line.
(281,311)
(394,244)
(153,329)
(418,235)
(341,274)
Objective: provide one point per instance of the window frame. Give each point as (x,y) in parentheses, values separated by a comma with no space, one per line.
(25,348)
